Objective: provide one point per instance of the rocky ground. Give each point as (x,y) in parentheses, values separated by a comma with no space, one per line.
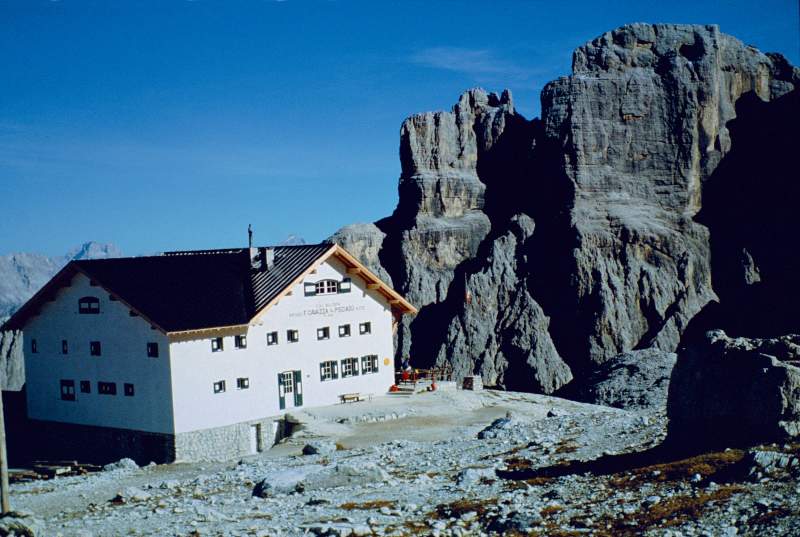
(443,463)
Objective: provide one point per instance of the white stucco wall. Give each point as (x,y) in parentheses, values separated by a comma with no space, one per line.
(194,367)
(123,360)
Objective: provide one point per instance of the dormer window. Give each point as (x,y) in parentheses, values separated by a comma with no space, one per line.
(89,304)
(327,287)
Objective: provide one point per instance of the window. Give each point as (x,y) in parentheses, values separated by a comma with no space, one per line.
(369,364)
(219,386)
(272,338)
(94,348)
(64,347)
(323,333)
(128,390)
(349,367)
(152,350)
(68,390)
(326,287)
(34,346)
(242,383)
(240,342)
(328,370)
(216,344)
(132,313)
(288,382)
(107,388)
(344,330)
(292,336)
(89,304)
(86,386)
(365,328)
(112,298)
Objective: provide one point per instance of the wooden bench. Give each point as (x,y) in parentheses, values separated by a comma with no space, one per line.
(354,397)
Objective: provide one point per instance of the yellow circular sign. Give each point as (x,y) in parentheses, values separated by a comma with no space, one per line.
(385,361)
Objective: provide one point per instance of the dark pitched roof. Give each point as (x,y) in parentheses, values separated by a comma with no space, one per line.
(192,290)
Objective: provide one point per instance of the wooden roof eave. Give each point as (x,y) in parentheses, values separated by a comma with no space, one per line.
(395,299)
(202,333)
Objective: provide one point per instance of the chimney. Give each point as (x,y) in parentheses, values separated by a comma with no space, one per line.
(268,258)
(262,259)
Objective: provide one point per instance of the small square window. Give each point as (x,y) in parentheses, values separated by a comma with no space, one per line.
(128,390)
(365,328)
(344,330)
(152,350)
(272,338)
(292,336)
(64,347)
(107,388)
(68,390)
(323,333)
(86,386)
(112,298)
(94,348)
(34,346)
(216,344)
(219,386)
(132,313)
(240,342)
(89,304)
(242,383)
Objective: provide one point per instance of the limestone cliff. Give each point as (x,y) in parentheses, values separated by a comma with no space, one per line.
(538,249)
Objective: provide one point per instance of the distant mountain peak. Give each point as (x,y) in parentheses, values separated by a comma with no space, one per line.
(293,240)
(94,250)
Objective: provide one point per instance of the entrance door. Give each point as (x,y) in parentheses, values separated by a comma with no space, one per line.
(255,431)
(290,389)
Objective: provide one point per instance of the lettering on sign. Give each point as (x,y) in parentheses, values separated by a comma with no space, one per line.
(328,310)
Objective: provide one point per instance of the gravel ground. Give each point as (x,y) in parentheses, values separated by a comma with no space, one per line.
(444,463)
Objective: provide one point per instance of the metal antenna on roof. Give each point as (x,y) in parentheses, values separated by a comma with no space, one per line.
(249,236)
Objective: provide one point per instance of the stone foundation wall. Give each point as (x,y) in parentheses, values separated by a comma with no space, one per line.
(230,441)
(48,440)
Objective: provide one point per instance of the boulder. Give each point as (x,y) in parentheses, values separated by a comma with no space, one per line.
(21,524)
(633,380)
(123,465)
(319,447)
(285,481)
(316,477)
(472,476)
(736,391)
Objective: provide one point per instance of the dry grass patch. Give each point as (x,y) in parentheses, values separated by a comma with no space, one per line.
(567,447)
(460,507)
(551,510)
(706,465)
(670,512)
(366,506)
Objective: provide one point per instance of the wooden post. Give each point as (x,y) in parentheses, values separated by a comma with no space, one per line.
(5,504)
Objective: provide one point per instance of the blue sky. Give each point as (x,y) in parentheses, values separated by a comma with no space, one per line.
(173,124)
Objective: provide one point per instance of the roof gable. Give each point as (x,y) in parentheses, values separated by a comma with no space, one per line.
(201,290)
